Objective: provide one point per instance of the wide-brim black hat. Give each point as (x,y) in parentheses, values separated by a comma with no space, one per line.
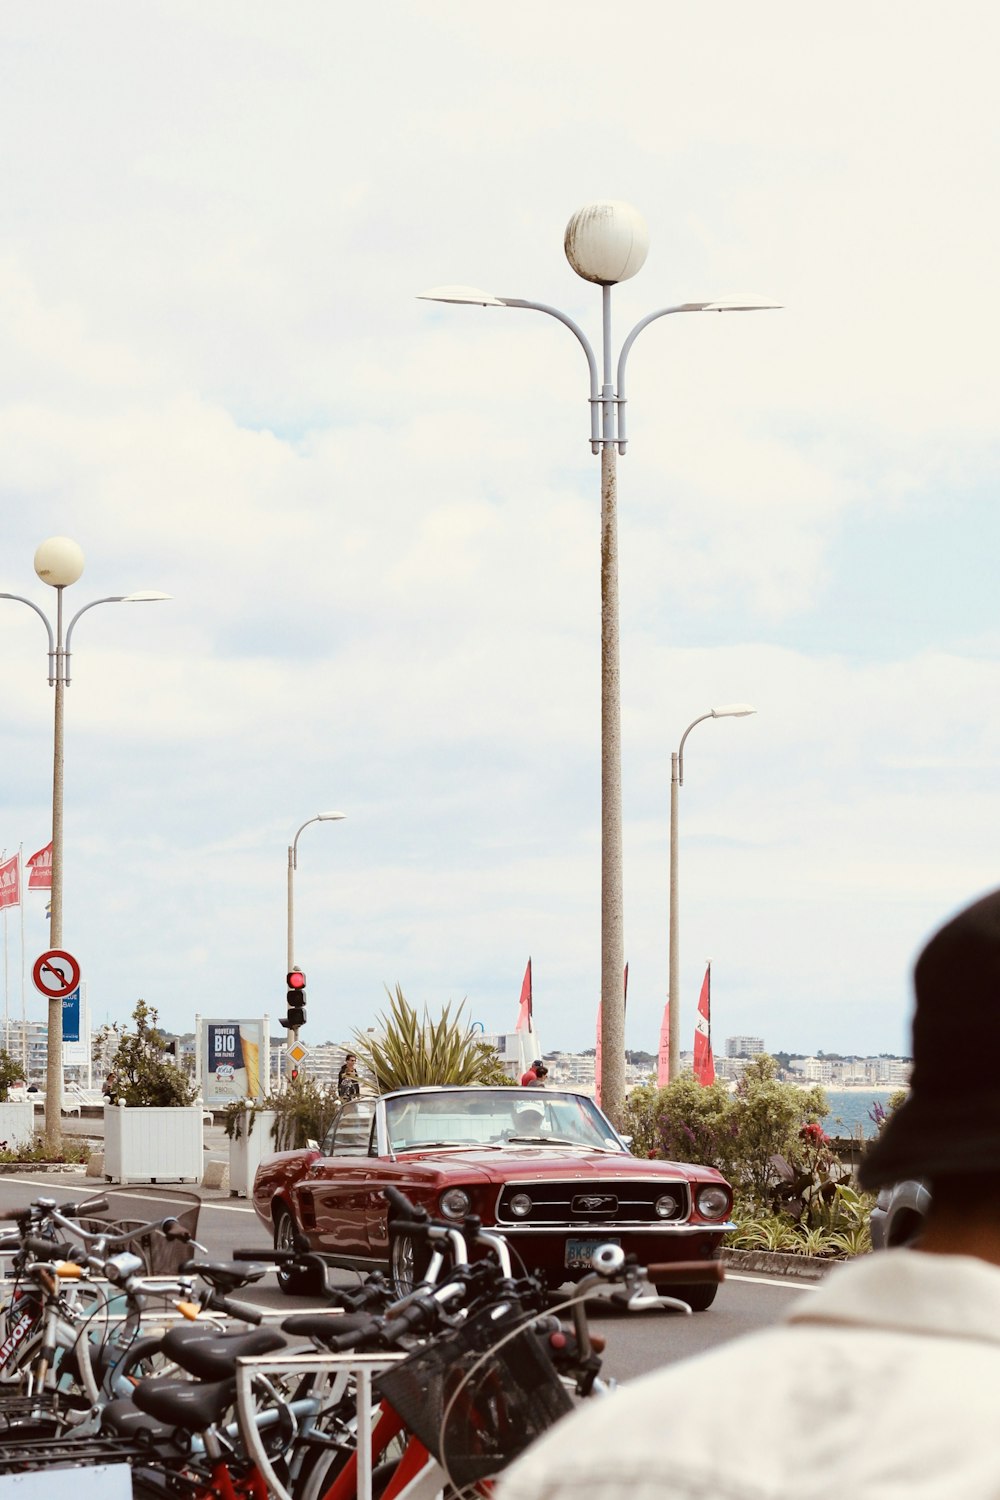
(950,1123)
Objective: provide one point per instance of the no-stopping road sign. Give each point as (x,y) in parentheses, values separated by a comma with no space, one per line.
(56,973)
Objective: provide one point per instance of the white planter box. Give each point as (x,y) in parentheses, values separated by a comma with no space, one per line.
(247,1153)
(17,1123)
(153,1145)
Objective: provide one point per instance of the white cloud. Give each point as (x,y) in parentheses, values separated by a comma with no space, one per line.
(379,518)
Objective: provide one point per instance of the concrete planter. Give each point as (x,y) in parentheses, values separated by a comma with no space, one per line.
(247,1151)
(17,1123)
(153,1145)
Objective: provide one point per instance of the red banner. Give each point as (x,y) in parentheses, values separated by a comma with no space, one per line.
(40,865)
(704,1062)
(525,1013)
(10,882)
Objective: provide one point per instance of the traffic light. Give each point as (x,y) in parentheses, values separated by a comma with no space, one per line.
(296,1017)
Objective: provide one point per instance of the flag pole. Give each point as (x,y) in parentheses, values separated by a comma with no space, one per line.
(24,1018)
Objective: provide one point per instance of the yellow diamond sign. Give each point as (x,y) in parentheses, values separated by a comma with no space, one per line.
(297,1053)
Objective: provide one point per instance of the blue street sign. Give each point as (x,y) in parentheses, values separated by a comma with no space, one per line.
(71,1016)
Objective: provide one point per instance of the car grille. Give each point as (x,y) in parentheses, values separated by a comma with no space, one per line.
(614,1201)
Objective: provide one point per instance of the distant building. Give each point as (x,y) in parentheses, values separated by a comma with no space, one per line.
(744,1046)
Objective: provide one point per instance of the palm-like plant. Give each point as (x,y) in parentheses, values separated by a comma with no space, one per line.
(413,1052)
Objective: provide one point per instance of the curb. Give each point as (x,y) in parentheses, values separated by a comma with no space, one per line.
(776,1263)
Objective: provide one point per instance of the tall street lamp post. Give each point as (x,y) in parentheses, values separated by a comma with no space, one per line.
(293,864)
(606,242)
(59,562)
(731,711)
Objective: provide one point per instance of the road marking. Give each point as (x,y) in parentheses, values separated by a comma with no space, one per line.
(787,1282)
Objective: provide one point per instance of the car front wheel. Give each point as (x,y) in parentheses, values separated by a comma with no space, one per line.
(297,1281)
(698,1298)
(408,1263)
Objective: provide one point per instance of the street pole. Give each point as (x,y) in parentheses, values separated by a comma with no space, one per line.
(605,243)
(53,1054)
(293,864)
(730,711)
(59,562)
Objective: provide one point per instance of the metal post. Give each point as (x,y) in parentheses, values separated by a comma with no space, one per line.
(53,1063)
(674,1016)
(293,1034)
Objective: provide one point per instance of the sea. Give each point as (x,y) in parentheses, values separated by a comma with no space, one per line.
(850,1108)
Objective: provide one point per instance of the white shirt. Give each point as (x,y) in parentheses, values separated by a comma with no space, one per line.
(883,1384)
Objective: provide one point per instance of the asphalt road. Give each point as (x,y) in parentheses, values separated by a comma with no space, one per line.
(636,1342)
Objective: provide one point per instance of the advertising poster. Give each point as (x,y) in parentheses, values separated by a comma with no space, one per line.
(232,1052)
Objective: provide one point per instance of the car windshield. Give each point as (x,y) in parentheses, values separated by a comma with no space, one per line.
(490,1117)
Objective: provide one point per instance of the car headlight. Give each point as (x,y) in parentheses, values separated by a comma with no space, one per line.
(521,1205)
(667,1205)
(712,1202)
(455,1203)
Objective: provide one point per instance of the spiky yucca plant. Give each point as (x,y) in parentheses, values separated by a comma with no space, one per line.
(413,1052)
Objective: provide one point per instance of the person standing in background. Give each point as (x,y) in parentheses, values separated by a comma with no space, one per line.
(348,1082)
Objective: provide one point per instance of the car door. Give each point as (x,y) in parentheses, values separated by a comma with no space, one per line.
(339,1182)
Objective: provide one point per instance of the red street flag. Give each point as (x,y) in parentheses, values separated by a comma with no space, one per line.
(663,1060)
(704,1062)
(524,1014)
(40,865)
(597,1056)
(10,882)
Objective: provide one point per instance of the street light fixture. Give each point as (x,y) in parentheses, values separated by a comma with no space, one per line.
(729,711)
(59,562)
(606,242)
(293,864)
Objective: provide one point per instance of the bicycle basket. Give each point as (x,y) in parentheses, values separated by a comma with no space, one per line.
(129,1207)
(476,1398)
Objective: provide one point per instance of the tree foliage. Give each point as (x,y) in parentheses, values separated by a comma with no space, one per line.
(414,1051)
(10,1072)
(145,1076)
(739,1133)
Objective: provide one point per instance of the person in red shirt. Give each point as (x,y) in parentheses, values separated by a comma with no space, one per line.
(536,1075)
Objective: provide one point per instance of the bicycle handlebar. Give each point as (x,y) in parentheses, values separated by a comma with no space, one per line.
(688,1272)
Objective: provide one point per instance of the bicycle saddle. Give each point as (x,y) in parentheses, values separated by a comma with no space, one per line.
(224,1275)
(185,1403)
(213,1356)
(323,1326)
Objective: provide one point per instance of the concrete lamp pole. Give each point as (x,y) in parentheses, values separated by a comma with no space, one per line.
(730,711)
(59,562)
(606,242)
(293,864)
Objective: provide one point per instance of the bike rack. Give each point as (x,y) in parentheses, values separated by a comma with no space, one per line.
(361,1367)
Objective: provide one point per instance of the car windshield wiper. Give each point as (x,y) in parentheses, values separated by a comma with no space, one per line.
(542,1140)
(430,1145)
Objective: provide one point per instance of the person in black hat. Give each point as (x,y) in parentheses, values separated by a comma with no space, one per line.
(884,1380)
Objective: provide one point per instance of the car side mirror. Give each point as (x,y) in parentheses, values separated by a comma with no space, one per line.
(628,1139)
(311,1145)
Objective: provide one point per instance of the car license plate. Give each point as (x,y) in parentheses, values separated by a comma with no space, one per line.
(580,1252)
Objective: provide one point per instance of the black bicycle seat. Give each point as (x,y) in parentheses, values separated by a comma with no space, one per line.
(224,1275)
(212,1356)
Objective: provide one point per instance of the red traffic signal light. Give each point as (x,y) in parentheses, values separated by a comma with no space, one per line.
(296,980)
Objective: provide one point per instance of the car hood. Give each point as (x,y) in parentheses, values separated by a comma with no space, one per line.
(527,1163)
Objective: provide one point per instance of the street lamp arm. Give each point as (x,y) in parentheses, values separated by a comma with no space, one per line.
(680,749)
(575,329)
(141,598)
(109,599)
(45,621)
(626,347)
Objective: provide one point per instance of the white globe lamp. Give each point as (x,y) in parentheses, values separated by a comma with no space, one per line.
(606,242)
(58,561)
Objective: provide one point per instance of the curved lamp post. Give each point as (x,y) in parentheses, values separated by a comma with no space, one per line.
(730,711)
(293,864)
(59,562)
(606,242)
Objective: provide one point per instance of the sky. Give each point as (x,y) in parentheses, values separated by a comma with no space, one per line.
(378,517)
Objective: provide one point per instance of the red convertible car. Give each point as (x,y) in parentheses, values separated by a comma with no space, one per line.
(541,1166)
